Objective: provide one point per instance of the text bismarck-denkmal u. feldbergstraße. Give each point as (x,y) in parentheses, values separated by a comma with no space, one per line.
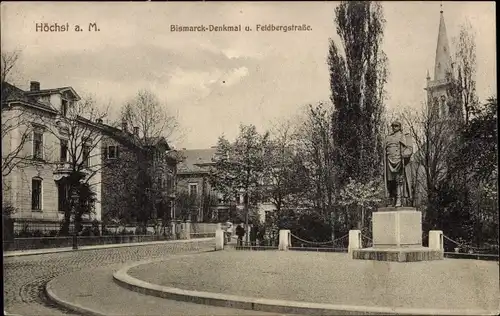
(240,28)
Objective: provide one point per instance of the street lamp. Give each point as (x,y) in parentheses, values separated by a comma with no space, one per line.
(74,197)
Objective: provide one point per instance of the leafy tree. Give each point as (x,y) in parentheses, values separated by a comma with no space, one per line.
(186,206)
(284,176)
(357,79)
(315,154)
(239,167)
(362,197)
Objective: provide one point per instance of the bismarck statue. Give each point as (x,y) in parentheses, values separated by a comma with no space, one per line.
(398,151)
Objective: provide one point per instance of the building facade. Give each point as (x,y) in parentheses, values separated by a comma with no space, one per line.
(39,150)
(138,177)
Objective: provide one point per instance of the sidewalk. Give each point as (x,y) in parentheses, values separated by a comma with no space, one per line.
(67,249)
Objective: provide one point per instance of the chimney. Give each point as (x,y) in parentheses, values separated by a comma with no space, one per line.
(34,86)
(124,127)
(136,131)
(99,121)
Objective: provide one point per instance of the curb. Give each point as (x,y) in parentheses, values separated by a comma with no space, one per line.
(89,311)
(269,305)
(98,247)
(71,306)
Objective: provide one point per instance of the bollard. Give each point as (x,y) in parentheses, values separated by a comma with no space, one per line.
(354,240)
(188,229)
(285,238)
(219,239)
(173,229)
(436,240)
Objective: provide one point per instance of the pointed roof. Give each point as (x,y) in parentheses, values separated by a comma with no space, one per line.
(195,160)
(443,57)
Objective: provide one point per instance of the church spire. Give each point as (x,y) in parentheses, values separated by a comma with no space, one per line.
(443,57)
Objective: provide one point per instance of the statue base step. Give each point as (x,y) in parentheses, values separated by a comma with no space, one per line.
(398,254)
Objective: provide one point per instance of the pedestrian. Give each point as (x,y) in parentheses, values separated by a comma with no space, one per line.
(229,231)
(260,235)
(240,232)
(253,235)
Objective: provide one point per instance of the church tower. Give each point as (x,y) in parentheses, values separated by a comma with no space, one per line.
(438,88)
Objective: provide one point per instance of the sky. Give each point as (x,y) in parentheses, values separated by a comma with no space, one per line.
(215,81)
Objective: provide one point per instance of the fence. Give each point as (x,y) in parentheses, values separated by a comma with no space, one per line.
(67,241)
(202,230)
(45,235)
(341,245)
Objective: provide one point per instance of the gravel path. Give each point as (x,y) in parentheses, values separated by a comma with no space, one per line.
(333,278)
(104,296)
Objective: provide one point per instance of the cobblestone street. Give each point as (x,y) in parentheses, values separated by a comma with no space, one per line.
(26,276)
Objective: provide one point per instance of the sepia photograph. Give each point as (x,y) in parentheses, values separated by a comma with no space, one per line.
(208,158)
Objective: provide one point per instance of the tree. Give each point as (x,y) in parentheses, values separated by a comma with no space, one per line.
(239,167)
(433,150)
(477,160)
(316,152)
(463,88)
(16,119)
(79,136)
(152,125)
(150,115)
(357,80)
(8,66)
(361,196)
(284,175)
(186,205)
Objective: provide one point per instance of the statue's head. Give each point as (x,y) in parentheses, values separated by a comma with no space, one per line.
(396,126)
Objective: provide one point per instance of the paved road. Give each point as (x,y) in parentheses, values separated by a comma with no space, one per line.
(25,277)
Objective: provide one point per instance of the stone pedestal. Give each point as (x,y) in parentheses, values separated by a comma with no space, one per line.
(436,241)
(219,239)
(186,230)
(397,236)
(354,240)
(397,228)
(285,239)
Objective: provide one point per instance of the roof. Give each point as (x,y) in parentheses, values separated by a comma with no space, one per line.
(193,158)
(11,93)
(156,141)
(55,90)
(443,56)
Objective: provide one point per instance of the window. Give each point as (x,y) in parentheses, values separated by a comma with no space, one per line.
(62,196)
(86,156)
(64,151)
(38,144)
(112,152)
(64,107)
(267,216)
(443,106)
(193,189)
(36,194)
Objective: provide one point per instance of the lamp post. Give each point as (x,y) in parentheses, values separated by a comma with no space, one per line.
(74,197)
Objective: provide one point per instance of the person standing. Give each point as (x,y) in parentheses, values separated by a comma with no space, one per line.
(253,235)
(240,232)
(229,231)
